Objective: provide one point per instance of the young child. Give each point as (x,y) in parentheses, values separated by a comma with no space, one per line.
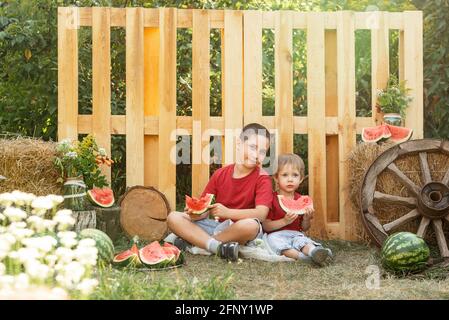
(243,194)
(285,230)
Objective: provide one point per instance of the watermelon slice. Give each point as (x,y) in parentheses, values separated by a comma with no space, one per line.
(295,206)
(128,258)
(386,131)
(199,206)
(154,255)
(103,197)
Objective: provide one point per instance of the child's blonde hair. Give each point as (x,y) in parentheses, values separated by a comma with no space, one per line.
(290,159)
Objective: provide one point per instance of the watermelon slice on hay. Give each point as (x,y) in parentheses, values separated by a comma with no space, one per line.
(386,131)
(297,206)
(199,206)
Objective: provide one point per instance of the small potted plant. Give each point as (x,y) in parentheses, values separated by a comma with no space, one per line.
(393,101)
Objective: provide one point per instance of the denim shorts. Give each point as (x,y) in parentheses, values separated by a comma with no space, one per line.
(288,239)
(213,227)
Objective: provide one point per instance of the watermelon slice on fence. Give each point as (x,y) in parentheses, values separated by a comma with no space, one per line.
(297,206)
(386,131)
(199,206)
(128,258)
(102,197)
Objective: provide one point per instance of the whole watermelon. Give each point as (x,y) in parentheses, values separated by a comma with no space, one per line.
(103,243)
(404,252)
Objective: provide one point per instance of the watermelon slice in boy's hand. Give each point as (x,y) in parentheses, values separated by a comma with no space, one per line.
(199,206)
(297,206)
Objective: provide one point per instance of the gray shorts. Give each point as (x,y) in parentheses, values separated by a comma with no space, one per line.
(288,239)
(213,227)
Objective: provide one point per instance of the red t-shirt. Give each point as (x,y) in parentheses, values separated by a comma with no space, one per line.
(242,193)
(277,213)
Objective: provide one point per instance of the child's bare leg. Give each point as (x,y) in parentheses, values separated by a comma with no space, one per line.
(242,231)
(181,225)
(291,253)
(307,249)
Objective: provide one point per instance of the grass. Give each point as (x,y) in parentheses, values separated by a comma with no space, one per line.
(354,275)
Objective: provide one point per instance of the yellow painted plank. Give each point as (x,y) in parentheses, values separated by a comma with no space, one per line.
(68,73)
(200,100)
(380,61)
(316,112)
(101,81)
(346,115)
(233,81)
(167,104)
(252,104)
(331,100)
(413,71)
(151,104)
(134,97)
(283,63)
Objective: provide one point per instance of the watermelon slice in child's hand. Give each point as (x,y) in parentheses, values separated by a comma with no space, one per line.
(297,206)
(199,206)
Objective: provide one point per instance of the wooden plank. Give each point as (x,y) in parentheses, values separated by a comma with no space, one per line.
(101,80)
(200,100)
(316,126)
(252,95)
(401,57)
(425,171)
(233,81)
(331,100)
(380,61)
(134,97)
(346,115)
(283,63)
(67,73)
(413,71)
(151,104)
(167,104)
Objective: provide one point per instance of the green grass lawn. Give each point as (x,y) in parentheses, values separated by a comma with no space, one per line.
(205,277)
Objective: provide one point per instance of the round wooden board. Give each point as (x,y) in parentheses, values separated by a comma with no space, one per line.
(144,213)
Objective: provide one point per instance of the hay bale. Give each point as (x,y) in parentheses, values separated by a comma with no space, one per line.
(28,166)
(361,159)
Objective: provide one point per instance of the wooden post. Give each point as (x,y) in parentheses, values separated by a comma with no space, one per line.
(316,126)
(101,81)
(200,100)
(68,25)
(134,97)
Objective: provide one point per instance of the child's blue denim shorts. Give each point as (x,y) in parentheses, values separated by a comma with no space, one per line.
(213,227)
(288,239)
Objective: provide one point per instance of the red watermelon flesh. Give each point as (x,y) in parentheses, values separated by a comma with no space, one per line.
(168,247)
(199,206)
(386,131)
(128,257)
(295,206)
(154,254)
(103,197)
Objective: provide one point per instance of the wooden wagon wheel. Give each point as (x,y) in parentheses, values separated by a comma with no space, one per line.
(428,202)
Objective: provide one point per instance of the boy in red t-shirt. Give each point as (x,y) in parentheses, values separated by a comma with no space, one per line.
(243,194)
(285,230)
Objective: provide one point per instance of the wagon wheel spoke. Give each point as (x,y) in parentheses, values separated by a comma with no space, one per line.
(402,220)
(411,186)
(423,227)
(446,178)
(442,244)
(395,200)
(425,171)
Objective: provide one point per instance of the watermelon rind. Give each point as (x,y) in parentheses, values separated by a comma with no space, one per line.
(300,211)
(103,244)
(206,205)
(396,135)
(404,252)
(129,258)
(92,198)
(382,133)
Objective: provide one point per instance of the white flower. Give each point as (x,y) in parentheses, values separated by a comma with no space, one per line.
(87,286)
(37,270)
(71,154)
(65,255)
(23,198)
(42,203)
(87,242)
(50,225)
(66,234)
(7,199)
(68,242)
(64,219)
(22,281)
(2,217)
(2,269)
(37,223)
(17,225)
(55,199)
(74,272)
(59,293)
(20,234)
(44,244)
(7,239)
(6,281)
(28,254)
(15,214)
(51,260)
(86,255)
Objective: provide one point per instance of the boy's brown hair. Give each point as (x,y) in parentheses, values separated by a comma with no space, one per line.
(292,159)
(254,128)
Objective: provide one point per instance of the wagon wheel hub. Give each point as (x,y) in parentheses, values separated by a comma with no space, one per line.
(433,200)
(427,201)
